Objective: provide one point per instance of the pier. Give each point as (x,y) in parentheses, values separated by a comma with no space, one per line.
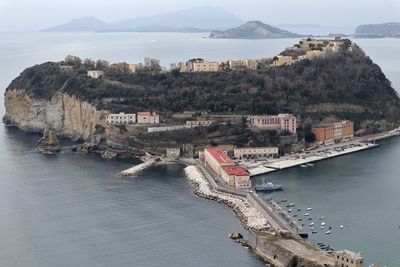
(138,168)
(322,153)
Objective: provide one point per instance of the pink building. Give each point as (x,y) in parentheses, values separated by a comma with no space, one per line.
(282,122)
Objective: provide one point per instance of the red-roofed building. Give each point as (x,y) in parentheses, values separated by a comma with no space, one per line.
(223,166)
(236,176)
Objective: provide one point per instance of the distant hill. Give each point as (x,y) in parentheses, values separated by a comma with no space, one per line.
(84,24)
(253,30)
(187,20)
(391,29)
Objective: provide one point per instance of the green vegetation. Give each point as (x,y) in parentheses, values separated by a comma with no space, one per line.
(348,77)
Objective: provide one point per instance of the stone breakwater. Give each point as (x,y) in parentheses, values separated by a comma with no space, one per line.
(250,217)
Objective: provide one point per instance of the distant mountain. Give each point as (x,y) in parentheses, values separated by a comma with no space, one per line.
(391,29)
(84,24)
(253,30)
(187,20)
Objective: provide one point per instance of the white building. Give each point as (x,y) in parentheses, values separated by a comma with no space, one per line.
(199,123)
(95,74)
(121,118)
(148,118)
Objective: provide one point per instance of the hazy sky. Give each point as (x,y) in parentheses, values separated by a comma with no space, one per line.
(20,15)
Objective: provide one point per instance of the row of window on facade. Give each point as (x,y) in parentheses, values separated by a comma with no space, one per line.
(132,118)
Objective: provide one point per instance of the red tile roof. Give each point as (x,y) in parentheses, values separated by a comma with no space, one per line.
(220,155)
(235,170)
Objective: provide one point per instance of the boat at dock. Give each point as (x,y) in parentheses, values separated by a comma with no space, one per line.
(289,205)
(303,165)
(308,209)
(268,187)
(307,214)
(310,165)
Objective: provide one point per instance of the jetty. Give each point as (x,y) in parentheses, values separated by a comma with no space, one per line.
(149,161)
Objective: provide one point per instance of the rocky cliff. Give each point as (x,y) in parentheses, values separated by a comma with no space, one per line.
(67,115)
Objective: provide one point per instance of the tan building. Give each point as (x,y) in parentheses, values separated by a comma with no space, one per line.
(133,67)
(346,258)
(333,132)
(283,60)
(95,74)
(240,64)
(205,66)
(121,118)
(236,176)
(148,118)
(257,153)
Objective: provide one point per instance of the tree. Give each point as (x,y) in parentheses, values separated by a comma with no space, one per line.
(73,61)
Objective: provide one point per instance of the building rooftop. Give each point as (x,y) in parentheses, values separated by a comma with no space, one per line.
(351,254)
(143,113)
(219,155)
(235,170)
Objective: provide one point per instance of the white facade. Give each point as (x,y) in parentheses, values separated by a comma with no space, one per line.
(199,123)
(95,74)
(121,118)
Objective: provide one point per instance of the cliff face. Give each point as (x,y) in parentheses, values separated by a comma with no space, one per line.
(65,114)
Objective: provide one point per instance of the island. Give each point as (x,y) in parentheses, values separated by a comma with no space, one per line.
(391,29)
(253,30)
(219,117)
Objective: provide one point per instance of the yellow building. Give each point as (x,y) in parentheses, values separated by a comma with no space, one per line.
(205,66)
(258,153)
(239,64)
(132,67)
(346,258)
(283,60)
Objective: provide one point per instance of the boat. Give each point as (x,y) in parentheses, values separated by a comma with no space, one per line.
(284,200)
(268,186)
(308,209)
(289,210)
(321,244)
(290,205)
(312,227)
(311,224)
(294,215)
(322,228)
(310,165)
(300,219)
(341,226)
(322,217)
(303,165)
(330,227)
(327,232)
(314,232)
(323,224)
(310,219)
(307,214)
(300,210)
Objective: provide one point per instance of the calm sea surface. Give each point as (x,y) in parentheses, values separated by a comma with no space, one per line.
(71,210)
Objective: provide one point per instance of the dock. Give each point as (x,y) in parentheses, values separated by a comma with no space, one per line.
(287,163)
(138,168)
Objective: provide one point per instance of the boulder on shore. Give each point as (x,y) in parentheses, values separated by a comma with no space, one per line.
(236,235)
(49,143)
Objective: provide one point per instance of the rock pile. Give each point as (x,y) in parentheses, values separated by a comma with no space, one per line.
(49,143)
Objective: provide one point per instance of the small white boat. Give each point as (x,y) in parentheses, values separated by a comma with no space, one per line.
(322,217)
(310,164)
(327,232)
(312,227)
(303,165)
(322,228)
(323,224)
(308,209)
(341,226)
(311,224)
(289,210)
(307,214)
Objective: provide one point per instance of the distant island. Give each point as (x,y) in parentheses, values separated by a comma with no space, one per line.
(391,29)
(187,20)
(254,30)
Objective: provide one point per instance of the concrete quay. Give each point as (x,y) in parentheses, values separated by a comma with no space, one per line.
(313,156)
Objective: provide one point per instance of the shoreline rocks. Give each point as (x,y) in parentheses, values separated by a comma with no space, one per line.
(49,143)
